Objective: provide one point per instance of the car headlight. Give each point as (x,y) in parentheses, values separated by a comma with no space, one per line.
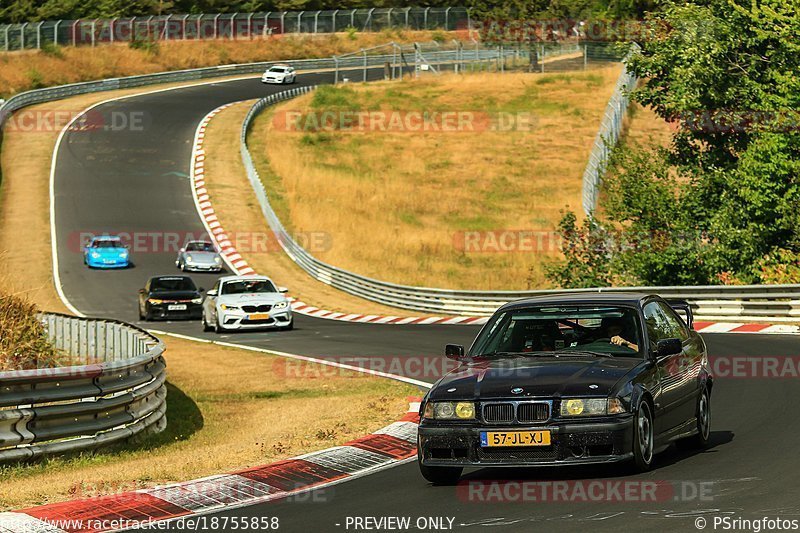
(226,307)
(123,255)
(280,305)
(217,259)
(189,258)
(155,301)
(591,406)
(450,410)
(95,255)
(197,300)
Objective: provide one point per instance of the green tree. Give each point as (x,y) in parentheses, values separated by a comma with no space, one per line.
(727,190)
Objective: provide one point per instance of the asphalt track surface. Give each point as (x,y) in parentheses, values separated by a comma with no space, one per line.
(135,180)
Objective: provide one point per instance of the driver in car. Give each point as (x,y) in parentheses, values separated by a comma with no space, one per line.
(612,329)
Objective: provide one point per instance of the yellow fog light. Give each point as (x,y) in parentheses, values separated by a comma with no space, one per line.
(572,407)
(465,410)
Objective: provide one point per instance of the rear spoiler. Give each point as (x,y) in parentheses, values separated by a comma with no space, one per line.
(683,309)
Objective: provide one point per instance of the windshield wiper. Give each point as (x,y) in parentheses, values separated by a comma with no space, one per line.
(534,354)
(586,352)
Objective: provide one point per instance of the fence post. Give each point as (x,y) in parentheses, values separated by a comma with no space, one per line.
(585,56)
(335,70)
(39,36)
(333,22)
(216,26)
(316,22)
(8,29)
(541,58)
(266,24)
(425,18)
(299,20)
(250,26)
(283,25)
(447,18)
(22,37)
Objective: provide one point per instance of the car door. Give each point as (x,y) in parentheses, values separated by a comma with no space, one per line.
(210,302)
(672,371)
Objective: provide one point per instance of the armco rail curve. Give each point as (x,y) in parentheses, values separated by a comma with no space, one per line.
(774,303)
(118,392)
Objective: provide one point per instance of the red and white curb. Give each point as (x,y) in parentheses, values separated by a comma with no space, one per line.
(740,327)
(239,265)
(387,447)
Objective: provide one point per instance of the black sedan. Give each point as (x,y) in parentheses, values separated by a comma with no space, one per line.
(569,379)
(168,297)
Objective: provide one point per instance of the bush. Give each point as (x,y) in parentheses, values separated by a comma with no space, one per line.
(146,45)
(352,33)
(51,49)
(23,340)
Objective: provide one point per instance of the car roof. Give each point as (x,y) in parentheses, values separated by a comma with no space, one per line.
(281,65)
(106,238)
(582,297)
(225,279)
(200,242)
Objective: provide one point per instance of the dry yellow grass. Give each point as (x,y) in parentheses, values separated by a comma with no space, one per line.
(644,127)
(222,418)
(240,213)
(21,71)
(396,204)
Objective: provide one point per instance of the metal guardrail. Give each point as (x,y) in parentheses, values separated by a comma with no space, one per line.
(90,32)
(777,303)
(606,139)
(118,391)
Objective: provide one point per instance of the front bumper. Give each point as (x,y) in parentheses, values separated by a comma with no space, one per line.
(273,80)
(601,440)
(162,311)
(241,320)
(107,263)
(202,267)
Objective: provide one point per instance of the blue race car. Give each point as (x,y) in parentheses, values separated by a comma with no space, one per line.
(107,251)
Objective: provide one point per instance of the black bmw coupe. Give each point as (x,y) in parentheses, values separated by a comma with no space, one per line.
(572,378)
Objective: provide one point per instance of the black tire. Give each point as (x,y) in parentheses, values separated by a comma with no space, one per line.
(147,317)
(441,475)
(141,316)
(218,327)
(643,438)
(290,327)
(703,414)
(206,327)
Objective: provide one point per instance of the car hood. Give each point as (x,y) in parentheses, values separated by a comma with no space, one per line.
(538,377)
(174,295)
(252,298)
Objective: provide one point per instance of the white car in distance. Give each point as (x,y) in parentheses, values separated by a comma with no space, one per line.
(279,74)
(244,303)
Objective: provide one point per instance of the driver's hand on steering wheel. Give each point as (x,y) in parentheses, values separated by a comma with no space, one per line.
(619,341)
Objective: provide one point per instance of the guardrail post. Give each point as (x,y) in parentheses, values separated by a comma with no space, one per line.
(365,63)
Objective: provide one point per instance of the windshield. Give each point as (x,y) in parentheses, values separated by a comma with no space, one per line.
(604,330)
(277,69)
(200,247)
(172,284)
(107,243)
(248,286)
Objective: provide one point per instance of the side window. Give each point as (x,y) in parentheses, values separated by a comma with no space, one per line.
(676,327)
(662,323)
(656,323)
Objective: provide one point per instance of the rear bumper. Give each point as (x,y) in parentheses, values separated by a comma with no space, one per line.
(572,443)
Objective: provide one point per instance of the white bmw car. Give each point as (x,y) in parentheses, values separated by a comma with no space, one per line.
(246,302)
(279,74)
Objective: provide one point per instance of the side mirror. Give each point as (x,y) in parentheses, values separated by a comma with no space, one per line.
(283,290)
(141,291)
(454,352)
(668,347)
(212,292)
(200,289)
(182,250)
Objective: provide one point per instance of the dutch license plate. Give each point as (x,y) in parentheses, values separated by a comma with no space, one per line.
(515,438)
(176,307)
(258,316)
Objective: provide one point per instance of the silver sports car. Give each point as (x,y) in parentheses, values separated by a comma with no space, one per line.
(199,256)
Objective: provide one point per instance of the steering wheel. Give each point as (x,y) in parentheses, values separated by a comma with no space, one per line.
(603,339)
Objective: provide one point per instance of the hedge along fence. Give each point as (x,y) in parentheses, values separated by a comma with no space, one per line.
(119,391)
